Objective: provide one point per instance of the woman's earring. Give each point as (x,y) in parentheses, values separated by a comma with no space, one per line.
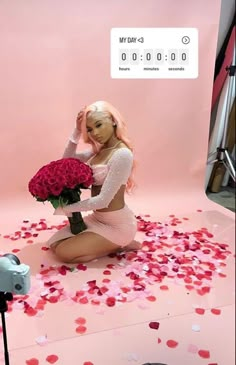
(114,125)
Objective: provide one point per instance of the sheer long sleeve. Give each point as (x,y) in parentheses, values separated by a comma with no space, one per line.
(71,147)
(119,170)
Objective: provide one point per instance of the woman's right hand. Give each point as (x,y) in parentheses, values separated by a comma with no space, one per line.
(79,119)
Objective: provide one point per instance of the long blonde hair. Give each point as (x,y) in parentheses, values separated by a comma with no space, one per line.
(108,109)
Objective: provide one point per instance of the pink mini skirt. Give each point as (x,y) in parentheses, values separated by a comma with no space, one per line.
(118,226)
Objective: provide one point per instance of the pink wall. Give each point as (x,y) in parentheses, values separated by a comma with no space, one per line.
(55,58)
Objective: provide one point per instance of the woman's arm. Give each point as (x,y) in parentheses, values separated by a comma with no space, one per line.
(120,166)
(71,147)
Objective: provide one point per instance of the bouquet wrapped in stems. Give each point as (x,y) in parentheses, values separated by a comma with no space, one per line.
(60,182)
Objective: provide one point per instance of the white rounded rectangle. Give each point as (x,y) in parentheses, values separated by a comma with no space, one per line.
(154,53)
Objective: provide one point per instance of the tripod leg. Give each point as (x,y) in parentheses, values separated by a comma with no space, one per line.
(229,165)
(4,332)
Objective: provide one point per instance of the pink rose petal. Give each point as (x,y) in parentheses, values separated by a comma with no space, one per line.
(192,348)
(42,340)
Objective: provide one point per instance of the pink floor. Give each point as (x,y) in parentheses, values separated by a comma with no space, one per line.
(172,302)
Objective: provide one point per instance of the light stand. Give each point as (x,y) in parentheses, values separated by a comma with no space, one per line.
(221,154)
(4,298)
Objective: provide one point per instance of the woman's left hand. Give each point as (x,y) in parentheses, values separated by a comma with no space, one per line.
(62,211)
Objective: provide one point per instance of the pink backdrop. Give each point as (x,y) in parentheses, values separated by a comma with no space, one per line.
(55,58)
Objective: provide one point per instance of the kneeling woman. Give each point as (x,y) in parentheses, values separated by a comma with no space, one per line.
(112,225)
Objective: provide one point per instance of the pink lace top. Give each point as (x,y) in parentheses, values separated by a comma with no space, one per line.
(99,173)
(111,176)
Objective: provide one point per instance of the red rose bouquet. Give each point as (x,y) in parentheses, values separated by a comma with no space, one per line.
(60,182)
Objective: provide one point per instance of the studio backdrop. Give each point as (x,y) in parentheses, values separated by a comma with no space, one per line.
(55,58)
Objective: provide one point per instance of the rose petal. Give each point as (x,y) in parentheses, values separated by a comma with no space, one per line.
(42,340)
(151,298)
(192,348)
(32,361)
(196,328)
(216,311)
(164,287)
(200,311)
(172,344)
(52,359)
(204,354)
(154,325)
(80,320)
(81,329)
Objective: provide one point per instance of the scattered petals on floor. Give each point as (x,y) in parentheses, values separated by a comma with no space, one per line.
(191,259)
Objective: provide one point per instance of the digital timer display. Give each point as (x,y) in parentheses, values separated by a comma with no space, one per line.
(154,53)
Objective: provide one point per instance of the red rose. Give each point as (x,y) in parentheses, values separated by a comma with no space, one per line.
(58,177)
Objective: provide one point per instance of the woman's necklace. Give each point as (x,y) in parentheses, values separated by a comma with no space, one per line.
(110,148)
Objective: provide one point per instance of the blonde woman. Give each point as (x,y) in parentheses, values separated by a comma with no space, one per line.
(112,225)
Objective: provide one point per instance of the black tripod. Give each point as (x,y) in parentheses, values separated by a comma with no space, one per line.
(221,154)
(4,298)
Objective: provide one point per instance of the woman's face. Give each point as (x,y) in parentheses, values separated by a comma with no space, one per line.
(99,127)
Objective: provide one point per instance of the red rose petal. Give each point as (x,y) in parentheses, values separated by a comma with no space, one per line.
(200,311)
(164,287)
(106,281)
(110,301)
(106,272)
(158,340)
(189,287)
(32,362)
(172,344)
(216,311)
(151,298)
(81,329)
(87,363)
(83,300)
(80,320)
(15,250)
(52,359)
(154,325)
(31,312)
(204,354)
